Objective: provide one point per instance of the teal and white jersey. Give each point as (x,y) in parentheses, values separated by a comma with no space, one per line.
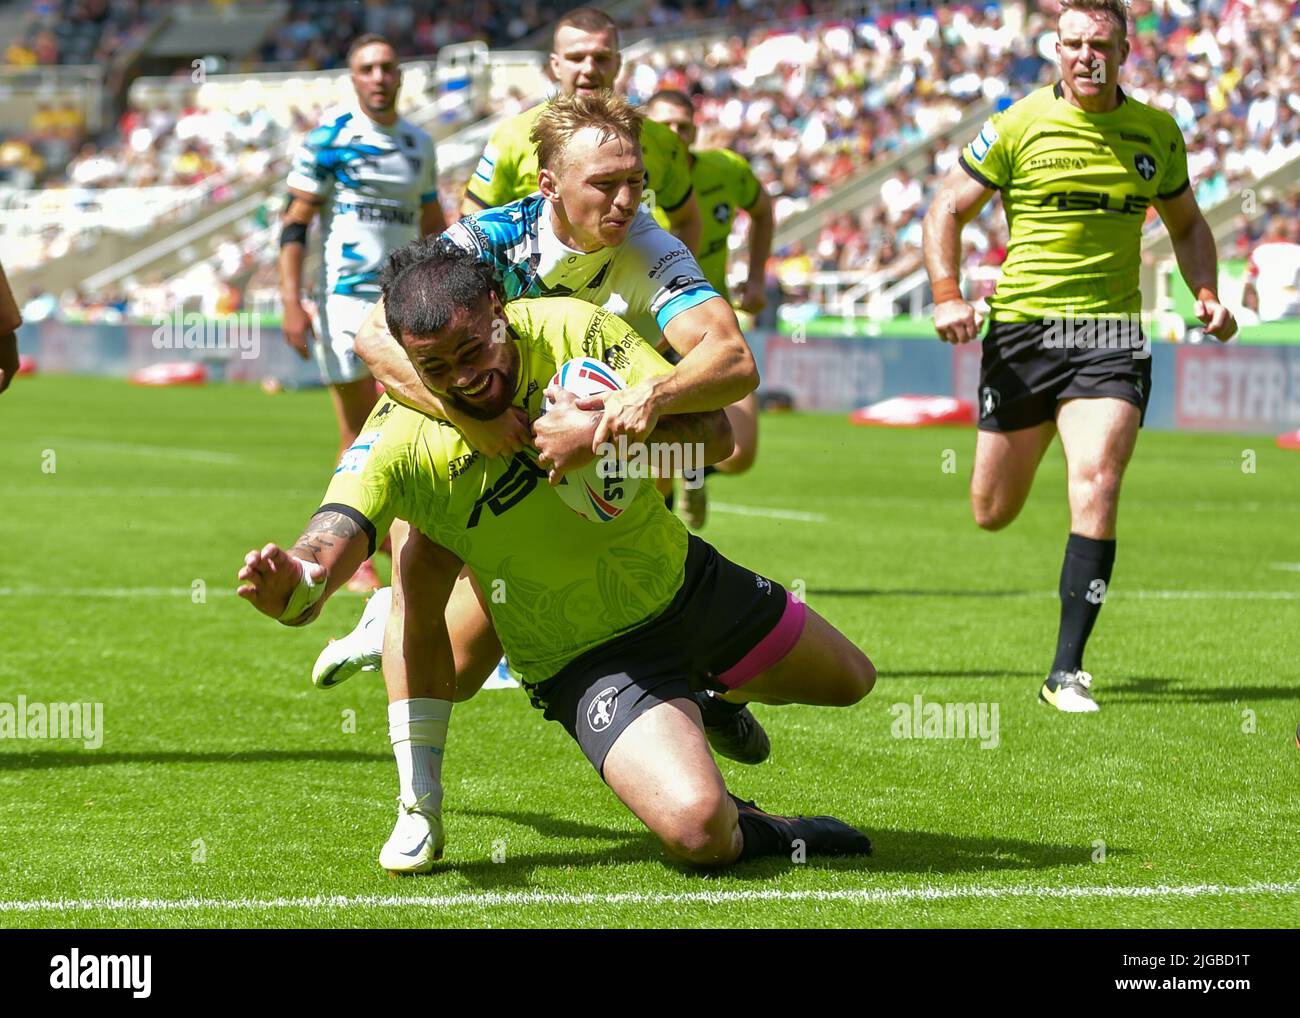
(372,181)
(647,280)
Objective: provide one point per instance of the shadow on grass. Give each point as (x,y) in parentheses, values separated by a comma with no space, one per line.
(895,852)
(74,756)
(1145,689)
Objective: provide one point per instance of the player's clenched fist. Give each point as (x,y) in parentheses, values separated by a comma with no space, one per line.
(1216,318)
(955,321)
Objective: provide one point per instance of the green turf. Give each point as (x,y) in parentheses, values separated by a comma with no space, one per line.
(216,746)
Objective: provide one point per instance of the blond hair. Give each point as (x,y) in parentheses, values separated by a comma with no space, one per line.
(569,114)
(1117,9)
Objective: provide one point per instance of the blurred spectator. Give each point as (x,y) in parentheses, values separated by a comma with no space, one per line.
(1273,272)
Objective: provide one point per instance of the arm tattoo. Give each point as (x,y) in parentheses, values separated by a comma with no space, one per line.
(314,541)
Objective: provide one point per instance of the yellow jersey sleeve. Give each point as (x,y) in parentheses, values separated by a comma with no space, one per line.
(371,482)
(1176,179)
(666,165)
(495,180)
(990,156)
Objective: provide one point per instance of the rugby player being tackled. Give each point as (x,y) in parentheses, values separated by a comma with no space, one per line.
(586,235)
(613,628)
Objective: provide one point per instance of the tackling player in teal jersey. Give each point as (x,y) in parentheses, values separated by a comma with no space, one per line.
(724,184)
(613,628)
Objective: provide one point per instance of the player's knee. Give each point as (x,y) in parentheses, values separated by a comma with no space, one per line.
(990,514)
(700,831)
(857,679)
(1095,486)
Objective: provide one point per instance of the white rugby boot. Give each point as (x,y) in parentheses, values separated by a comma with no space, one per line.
(417,840)
(362,650)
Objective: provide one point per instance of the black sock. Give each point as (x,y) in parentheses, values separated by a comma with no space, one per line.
(762,835)
(1085,578)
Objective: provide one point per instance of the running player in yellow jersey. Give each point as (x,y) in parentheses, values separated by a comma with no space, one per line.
(724,184)
(1077,164)
(585,59)
(613,628)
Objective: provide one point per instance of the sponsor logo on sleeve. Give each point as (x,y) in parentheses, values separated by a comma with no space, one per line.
(355,458)
(985,140)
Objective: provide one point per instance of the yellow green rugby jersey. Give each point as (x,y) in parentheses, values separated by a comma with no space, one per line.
(723,182)
(556,585)
(508,167)
(1076,187)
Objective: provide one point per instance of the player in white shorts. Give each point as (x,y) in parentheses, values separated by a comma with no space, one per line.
(373,178)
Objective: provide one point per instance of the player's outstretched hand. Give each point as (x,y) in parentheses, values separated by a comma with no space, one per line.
(501,436)
(956,322)
(297,328)
(270,576)
(563,434)
(1217,319)
(629,412)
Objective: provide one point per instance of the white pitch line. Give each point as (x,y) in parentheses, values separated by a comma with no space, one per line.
(494,899)
(1122,595)
(160,451)
(774,514)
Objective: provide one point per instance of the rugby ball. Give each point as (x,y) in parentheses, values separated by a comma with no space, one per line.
(588,492)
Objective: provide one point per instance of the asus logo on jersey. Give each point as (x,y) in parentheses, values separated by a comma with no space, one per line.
(1076,201)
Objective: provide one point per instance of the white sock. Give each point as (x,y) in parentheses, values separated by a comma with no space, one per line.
(417,729)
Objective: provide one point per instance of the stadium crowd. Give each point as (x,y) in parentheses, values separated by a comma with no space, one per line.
(314,33)
(809,102)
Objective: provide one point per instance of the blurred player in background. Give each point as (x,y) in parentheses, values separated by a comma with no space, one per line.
(373,177)
(585,59)
(1077,163)
(723,183)
(10,319)
(1272,288)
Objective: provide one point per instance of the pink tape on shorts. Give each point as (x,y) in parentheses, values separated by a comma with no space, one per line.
(772,648)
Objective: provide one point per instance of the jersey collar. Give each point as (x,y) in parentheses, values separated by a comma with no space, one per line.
(1058,90)
(560,266)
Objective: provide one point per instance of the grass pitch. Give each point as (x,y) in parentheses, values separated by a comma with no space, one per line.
(228,792)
